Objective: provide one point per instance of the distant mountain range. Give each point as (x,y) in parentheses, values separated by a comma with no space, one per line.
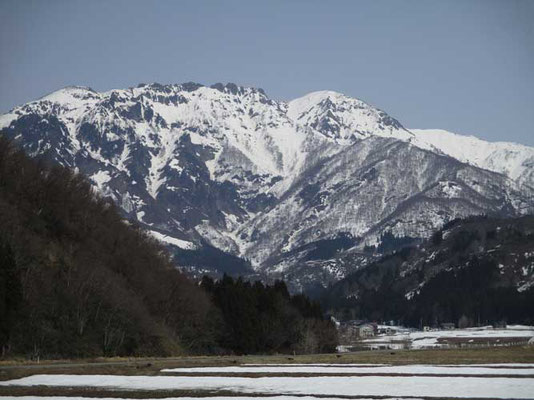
(234,181)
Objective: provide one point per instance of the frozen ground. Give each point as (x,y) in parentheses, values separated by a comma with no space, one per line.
(447,338)
(317,365)
(371,386)
(343,369)
(508,365)
(196,398)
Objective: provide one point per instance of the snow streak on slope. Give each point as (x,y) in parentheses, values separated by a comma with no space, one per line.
(183,244)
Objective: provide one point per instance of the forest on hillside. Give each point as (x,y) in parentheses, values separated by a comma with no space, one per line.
(474,271)
(77,280)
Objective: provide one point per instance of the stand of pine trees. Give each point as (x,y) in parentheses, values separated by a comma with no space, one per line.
(264,318)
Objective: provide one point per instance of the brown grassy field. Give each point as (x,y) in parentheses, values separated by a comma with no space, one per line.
(151,366)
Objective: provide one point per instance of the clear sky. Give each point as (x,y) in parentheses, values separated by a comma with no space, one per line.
(465,66)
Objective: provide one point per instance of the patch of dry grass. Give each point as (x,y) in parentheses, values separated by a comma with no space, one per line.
(152,366)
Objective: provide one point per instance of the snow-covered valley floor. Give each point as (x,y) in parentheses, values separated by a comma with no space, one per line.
(492,381)
(359,370)
(484,336)
(210,398)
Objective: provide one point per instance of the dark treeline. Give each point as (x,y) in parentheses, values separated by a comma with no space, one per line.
(469,273)
(265,318)
(76,280)
(469,296)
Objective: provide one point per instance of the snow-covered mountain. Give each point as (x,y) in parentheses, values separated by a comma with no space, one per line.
(271,181)
(511,159)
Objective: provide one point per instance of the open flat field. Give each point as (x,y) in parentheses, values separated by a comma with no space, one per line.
(500,372)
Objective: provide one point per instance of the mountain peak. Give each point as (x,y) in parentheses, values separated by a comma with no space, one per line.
(320,95)
(235,89)
(343,118)
(311,100)
(231,88)
(68,93)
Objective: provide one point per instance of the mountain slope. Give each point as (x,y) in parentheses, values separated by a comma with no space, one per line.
(386,186)
(227,167)
(513,160)
(480,268)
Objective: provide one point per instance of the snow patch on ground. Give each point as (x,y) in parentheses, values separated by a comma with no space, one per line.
(341,369)
(100,178)
(420,339)
(459,387)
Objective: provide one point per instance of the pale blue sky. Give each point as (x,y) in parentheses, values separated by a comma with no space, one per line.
(465,66)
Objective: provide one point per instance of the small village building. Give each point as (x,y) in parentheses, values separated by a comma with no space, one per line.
(351,331)
(386,330)
(448,326)
(366,330)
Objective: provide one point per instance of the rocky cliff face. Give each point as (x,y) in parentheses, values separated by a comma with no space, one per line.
(276,183)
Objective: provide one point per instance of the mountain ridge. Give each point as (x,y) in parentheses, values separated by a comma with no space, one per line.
(430,139)
(227,166)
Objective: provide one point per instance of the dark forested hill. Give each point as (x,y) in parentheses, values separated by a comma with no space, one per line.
(76,279)
(473,271)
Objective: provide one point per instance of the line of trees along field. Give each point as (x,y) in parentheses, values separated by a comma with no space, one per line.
(76,280)
(259,318)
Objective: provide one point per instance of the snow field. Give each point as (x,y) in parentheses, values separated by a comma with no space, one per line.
(419,339)
(196,398)
(414,386)
(341,369)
